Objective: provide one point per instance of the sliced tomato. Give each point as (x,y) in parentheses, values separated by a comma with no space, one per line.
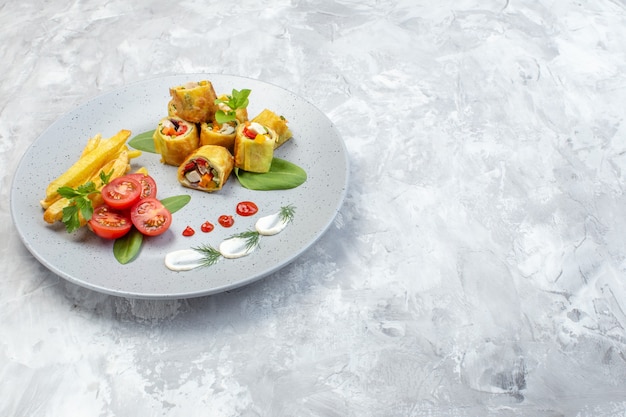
(150,216)
(148,184)
(109,223)
(122,192)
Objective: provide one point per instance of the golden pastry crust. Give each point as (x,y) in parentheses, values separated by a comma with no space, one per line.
(254,151)
(174,139)
(194,101)
(275,122)
(212,133)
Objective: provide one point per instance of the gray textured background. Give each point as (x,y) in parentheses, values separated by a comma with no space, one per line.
(477,267)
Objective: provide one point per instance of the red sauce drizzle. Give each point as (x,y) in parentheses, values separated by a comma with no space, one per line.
(207,227)
(226,221)
(247,208)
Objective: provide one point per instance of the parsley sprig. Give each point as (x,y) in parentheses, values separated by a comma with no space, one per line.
(80,203)
(237,100)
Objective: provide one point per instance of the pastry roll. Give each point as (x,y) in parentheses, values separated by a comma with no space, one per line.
(206,169)
(254,147)
(194,101)
(171,109)
(213,133)
(275,122)
(175,138)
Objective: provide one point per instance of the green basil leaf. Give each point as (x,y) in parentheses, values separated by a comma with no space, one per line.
(126,248)
(143,142)
(282,175)
(175,203)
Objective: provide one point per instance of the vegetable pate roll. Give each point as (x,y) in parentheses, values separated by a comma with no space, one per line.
(275,122)
(194,101)
(206,169)
(213,133)
(175,138)
(254,147)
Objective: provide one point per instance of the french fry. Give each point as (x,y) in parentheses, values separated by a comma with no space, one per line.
(86,166)
(92,144)
(116,167)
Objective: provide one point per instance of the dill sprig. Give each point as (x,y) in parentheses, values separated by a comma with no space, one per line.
(251,237)
(287,213)
(210,255)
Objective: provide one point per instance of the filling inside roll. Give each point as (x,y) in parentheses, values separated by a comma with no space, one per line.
(207,169)
(276,123)
(213,133)
(174,139)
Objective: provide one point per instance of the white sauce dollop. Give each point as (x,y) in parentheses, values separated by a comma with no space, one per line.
(235,248)
(183,260)
(270,225)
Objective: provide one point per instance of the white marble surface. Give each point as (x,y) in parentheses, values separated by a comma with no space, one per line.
(477,267)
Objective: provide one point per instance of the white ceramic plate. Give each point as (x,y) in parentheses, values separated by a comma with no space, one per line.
(87,260)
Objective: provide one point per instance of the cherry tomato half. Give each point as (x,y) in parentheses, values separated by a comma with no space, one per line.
(150,216)
(246,208)
(148,184)
(226,221)
(207,227)
(109,223)
(122,192)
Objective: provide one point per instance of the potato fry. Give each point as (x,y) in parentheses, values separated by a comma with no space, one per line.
(86,166)
(116,167)
(92,144)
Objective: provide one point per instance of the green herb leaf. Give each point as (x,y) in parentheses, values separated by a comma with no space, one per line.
(175,203)
(143,142)
(237,100)
(70,218)
(210,254)
(105,178)
(250,236)
(287,213)
(79,203)
(222,117)
(282,175)
(126,248)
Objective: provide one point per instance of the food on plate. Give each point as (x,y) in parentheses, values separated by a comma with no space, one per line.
(206,169)
(234,106)
(254,147)
(175,138)
(109,223)
(94,157)
(275,122)
(150,217)
(194,101)
(214,133)
(148,185)
(122,192)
